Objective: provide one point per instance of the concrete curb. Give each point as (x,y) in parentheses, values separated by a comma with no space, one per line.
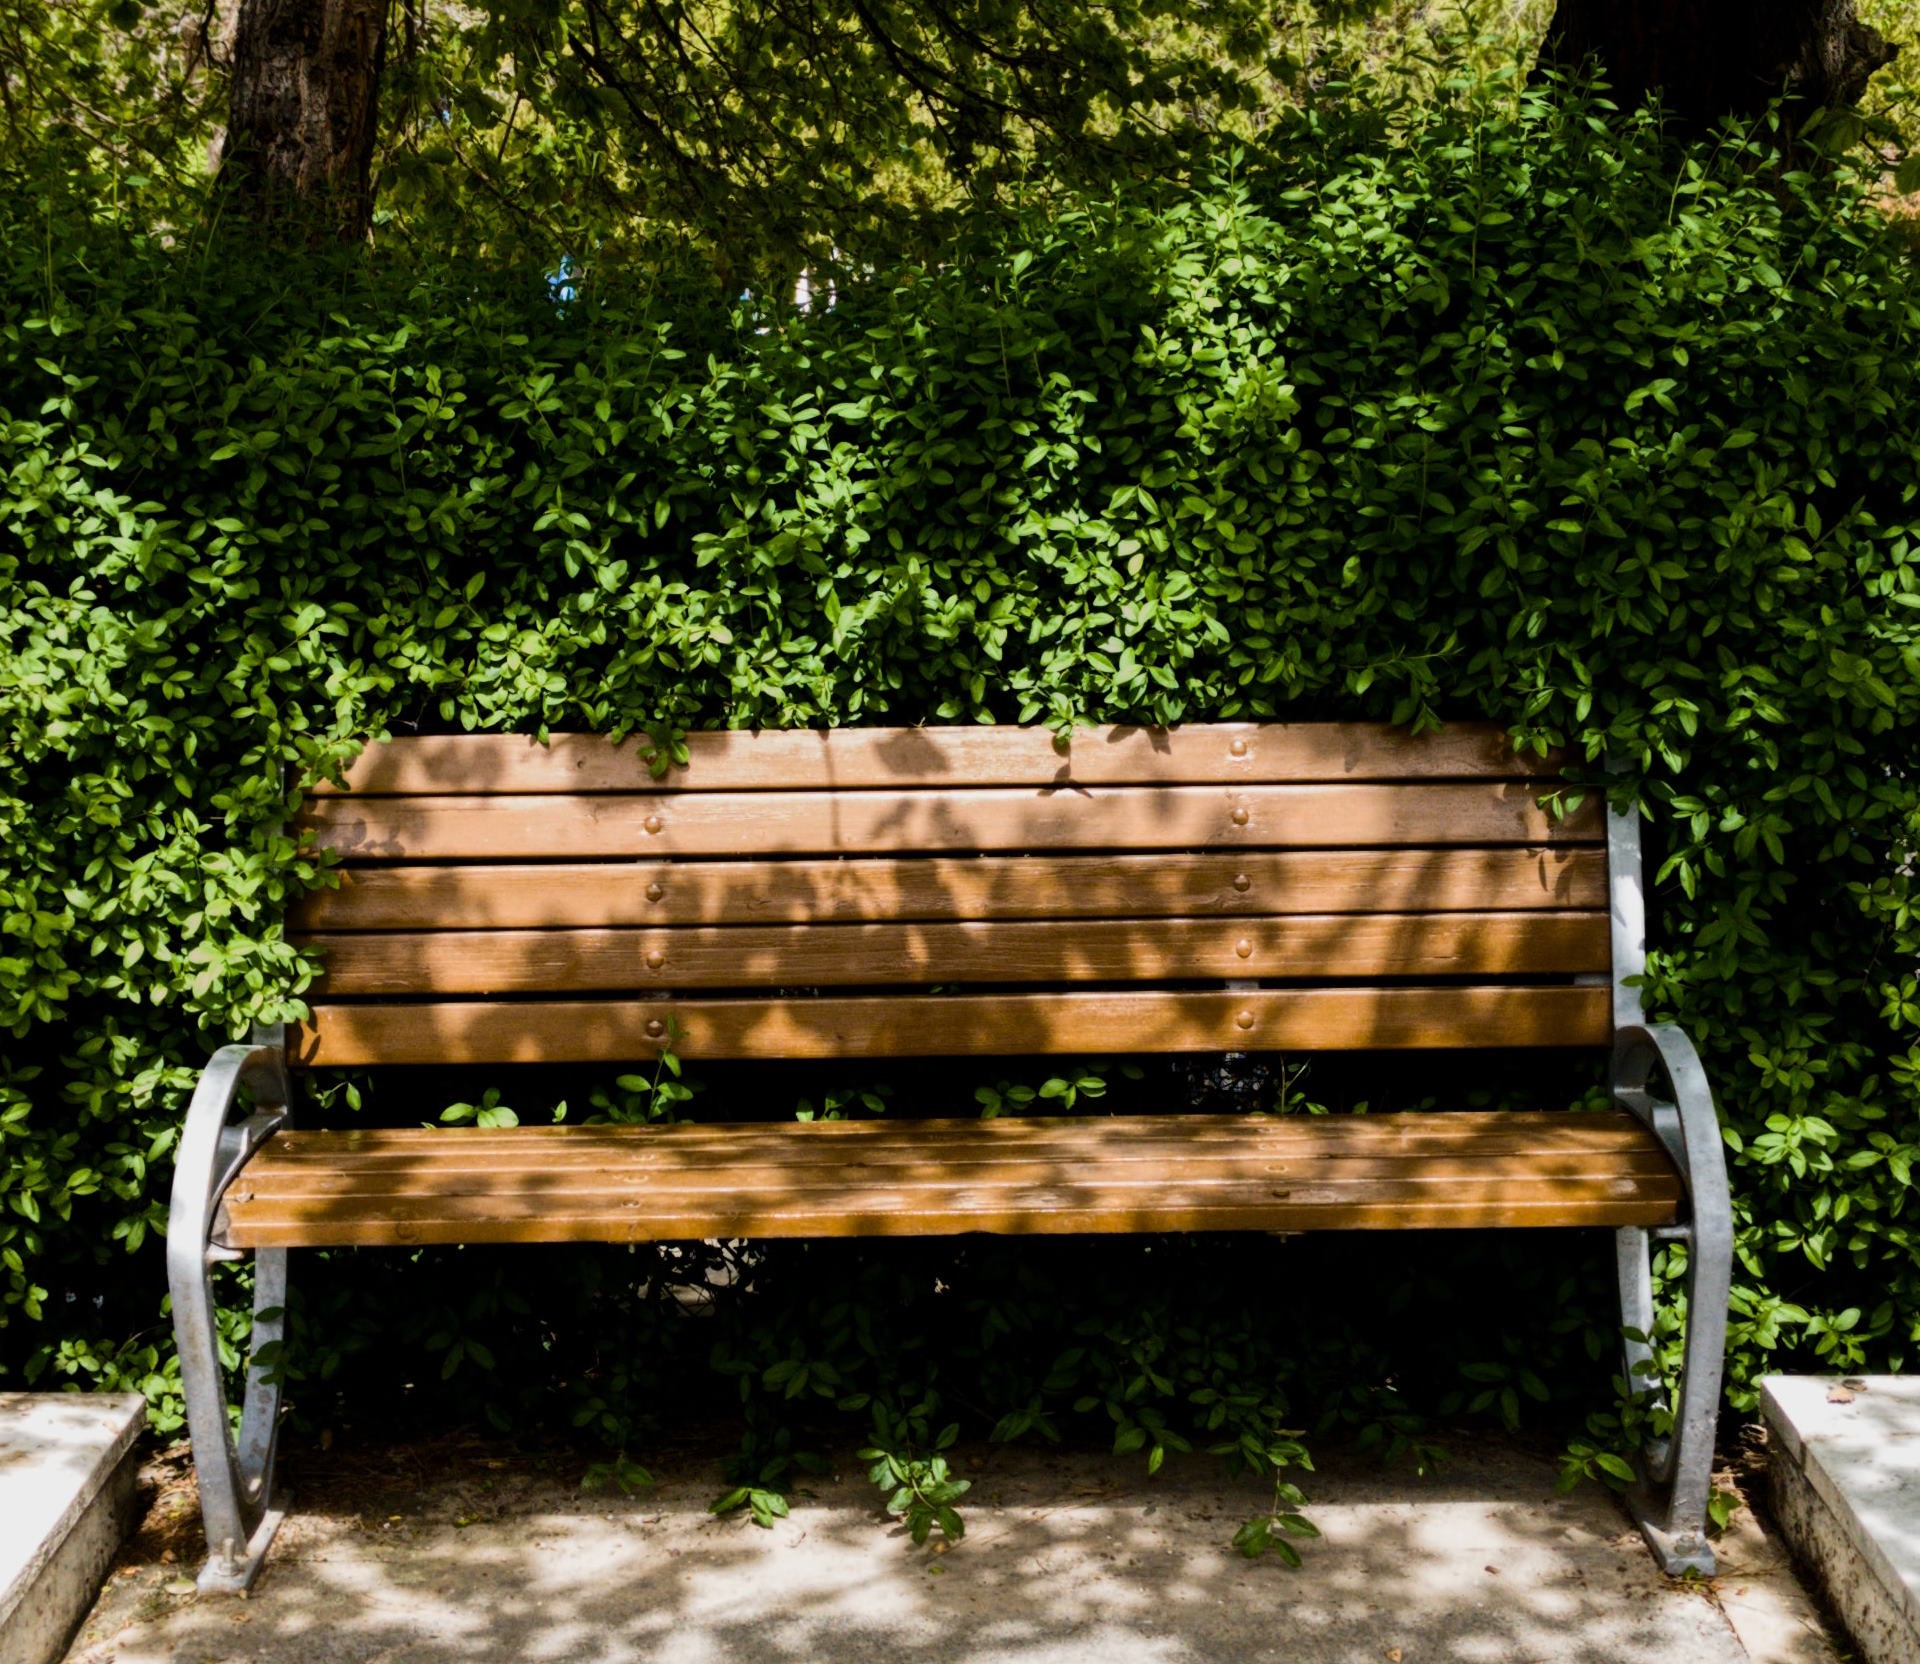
(67,1471)
(1845,1475)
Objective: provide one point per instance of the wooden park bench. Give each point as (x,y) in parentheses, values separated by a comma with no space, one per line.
(929,892)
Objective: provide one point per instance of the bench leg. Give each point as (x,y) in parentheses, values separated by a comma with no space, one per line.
(1676,1477)
(237,1498)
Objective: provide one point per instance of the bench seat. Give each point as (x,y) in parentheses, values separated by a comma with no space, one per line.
(412,1187)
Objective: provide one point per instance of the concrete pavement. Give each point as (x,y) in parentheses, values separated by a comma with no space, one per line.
(452,1555)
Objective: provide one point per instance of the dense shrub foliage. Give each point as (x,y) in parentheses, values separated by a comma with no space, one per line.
(1521,417)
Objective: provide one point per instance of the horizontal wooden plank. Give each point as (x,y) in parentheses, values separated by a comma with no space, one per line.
(1019,1216)
(1110,1021)
(1258,882)
(319,1189)
(403,963)
(1049,1211)
(656,1175)
(867,823)
(1423,1138)
(858,758)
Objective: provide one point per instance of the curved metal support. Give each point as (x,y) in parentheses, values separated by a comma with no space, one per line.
(1670,1502)
(237,1499)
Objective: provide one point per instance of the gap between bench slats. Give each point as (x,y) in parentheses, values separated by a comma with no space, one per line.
(1111,1022)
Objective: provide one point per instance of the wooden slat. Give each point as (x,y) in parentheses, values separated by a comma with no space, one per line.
(1422,1137)
(1258,882)
(654,1184)
(657,1173)
(1311,1019)
(1012,1211)
(866,823)
(939,757)
(398,964)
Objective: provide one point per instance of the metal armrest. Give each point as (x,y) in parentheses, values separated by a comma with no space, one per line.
(237,1501)
(1676,1480)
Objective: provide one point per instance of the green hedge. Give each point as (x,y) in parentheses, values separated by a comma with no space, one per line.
(1519,416)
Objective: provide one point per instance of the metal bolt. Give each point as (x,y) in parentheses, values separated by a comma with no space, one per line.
(655,1028)
(1242,882)
(655,959)
(1241,816)
(1238,748)
(1244,947)
(655,891)
(654,823)
(1243,1018)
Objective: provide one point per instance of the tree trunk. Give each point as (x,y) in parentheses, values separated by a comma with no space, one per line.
(1713,58)
(300,138)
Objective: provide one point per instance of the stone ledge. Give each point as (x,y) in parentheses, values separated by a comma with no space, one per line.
(66,1489)
(1845,1473)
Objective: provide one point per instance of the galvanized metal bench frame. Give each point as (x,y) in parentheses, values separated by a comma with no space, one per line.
(238,1501)
(242,1507)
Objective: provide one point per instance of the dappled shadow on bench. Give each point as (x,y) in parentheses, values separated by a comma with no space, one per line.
(1014,1176)
(960,955)
(545,925)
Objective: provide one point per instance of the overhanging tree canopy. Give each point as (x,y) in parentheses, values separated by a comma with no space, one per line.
(775,134)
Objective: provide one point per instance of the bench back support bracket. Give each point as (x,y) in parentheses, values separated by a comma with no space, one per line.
(1627,905)
(237,1498)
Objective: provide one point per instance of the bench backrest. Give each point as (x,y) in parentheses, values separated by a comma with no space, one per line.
(947,891)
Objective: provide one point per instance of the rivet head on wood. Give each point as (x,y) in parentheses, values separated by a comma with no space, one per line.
(1243,947)
(656,1029)
(655,891)
(655,959)
(1238,748)
(1242,882)
(1243,1019)
(1241,816)
(654,823)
